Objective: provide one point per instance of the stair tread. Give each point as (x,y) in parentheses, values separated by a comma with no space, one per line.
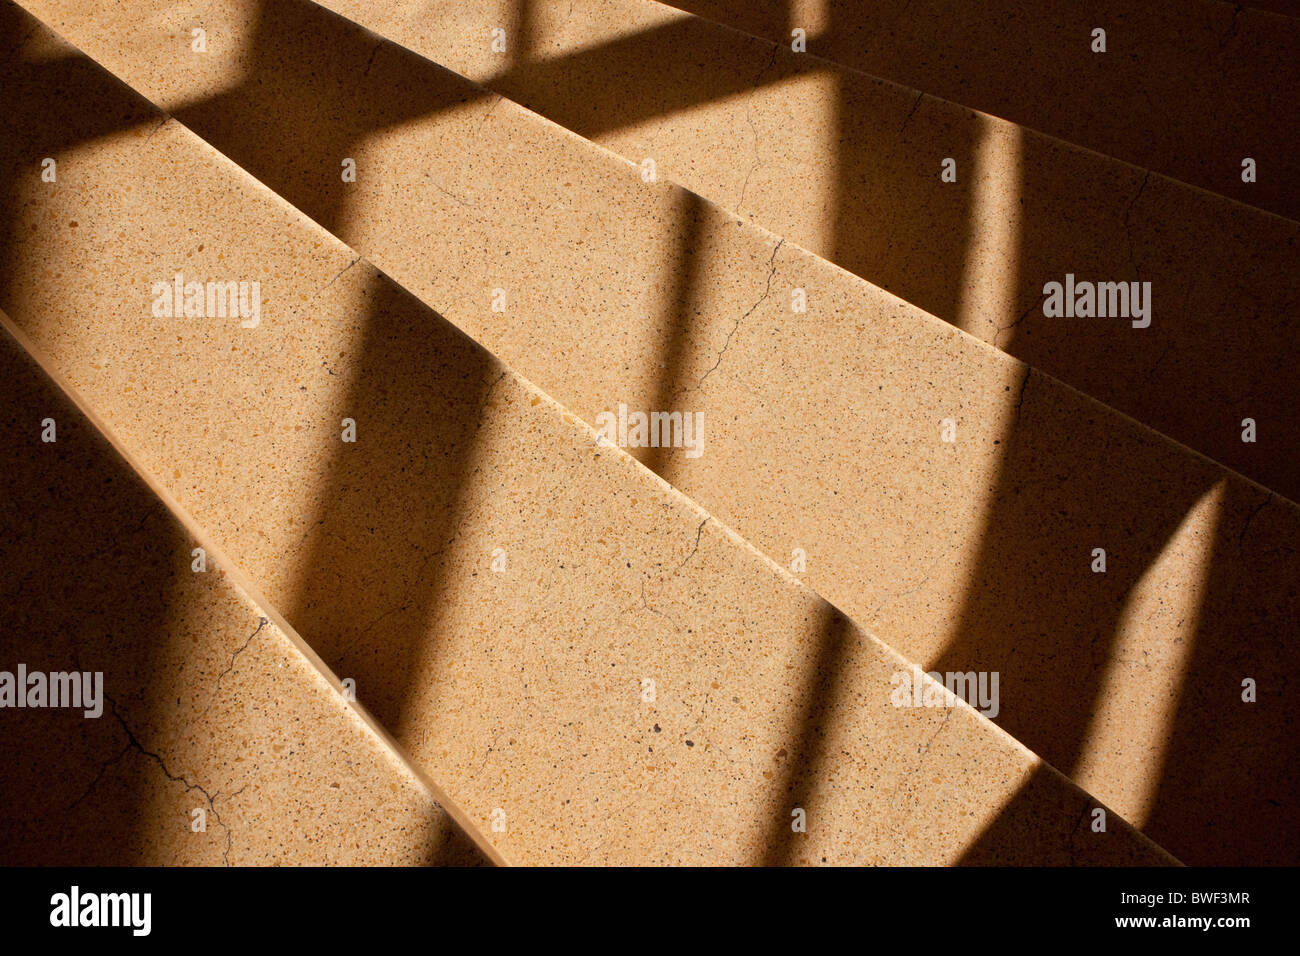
(204,703)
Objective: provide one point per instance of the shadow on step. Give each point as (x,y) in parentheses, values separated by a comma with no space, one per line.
(1222,343)
(1034,612)
(888,222)
(823,691)
(1200,772)
(383,527)
(88,565)
(1130,680)
(96,576)
(371,572)
(95,573)
(296,116)
(89,557)
(1185,89)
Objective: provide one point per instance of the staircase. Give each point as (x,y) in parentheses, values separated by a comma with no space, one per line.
(350,318)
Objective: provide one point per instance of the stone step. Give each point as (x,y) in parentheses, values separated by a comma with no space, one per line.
(201,735)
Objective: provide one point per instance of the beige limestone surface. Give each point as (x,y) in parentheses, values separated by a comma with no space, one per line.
(850,167)
(824,429)
(630,683)
(841,164)
(216,742)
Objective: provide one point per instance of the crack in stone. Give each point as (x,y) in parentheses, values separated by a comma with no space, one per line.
(766,66)
(1024,387)
(1241,538)
(916,104)
(450,194)
(923,752)
(487,754)
(912,590)
(99,776)
(488,115)
(1232,28)
(371,626)
(698,532)
(133,743)
(1023,315)
(371,61)
(920,584)
(771,263)
(339,273)
(645,603)
(163,122)
(216,691)
(934,736)
(1156,364)
(749,116)
(1128,232)
(758,159)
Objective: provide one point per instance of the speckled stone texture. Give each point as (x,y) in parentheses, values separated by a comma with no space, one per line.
(849,167)
(206,705)
(825,427)
(522,691)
